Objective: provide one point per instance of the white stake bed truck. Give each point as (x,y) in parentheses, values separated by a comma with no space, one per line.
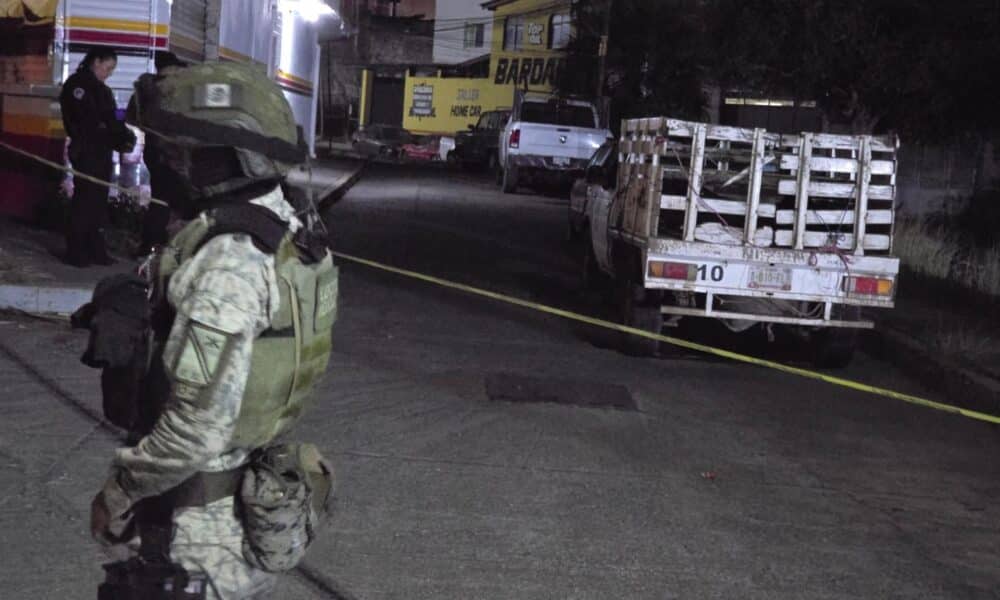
(741,225)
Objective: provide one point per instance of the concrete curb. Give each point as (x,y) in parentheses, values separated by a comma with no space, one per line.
(43,300)
(961,386)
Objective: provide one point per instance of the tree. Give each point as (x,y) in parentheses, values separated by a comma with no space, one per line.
(653,64)
(922,68)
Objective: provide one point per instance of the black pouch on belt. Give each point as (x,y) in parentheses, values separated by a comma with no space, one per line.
(284,496)
(118,319)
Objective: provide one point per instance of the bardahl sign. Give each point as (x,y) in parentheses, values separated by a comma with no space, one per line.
(533,71)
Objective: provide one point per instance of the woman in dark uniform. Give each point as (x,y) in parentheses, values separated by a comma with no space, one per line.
(88,112)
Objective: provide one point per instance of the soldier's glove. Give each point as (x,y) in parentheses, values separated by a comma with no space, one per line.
(105,528)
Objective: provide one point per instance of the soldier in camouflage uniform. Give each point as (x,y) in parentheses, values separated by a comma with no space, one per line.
(245,320)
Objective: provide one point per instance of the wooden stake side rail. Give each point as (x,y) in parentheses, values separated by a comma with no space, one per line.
(813,190)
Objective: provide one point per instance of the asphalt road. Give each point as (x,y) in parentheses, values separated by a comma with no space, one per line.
(478,460)
(484,451)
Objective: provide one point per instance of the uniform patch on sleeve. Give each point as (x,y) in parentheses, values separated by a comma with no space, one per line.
(78,93)
(201,352)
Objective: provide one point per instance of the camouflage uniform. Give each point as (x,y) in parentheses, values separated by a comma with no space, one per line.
(224,297)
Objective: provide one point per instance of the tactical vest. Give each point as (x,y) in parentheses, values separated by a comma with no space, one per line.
(290,357)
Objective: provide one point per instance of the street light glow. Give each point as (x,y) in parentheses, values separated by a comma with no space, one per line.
(310,10)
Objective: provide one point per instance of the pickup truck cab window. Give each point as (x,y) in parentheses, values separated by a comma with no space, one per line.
(554,113)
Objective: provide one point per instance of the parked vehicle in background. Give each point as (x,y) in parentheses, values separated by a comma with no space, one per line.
(446,149)
(381,141)
(741,225)
(547,139)
(479,145)
(423,148)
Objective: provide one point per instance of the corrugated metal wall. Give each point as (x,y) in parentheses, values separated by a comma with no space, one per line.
(187,29)
(297,63)
(246,30)
(112,10)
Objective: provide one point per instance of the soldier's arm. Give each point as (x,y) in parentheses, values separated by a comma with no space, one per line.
(207,357)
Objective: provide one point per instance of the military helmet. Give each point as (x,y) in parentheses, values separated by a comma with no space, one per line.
(219,126)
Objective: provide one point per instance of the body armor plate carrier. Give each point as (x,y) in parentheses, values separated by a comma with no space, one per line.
(291,356)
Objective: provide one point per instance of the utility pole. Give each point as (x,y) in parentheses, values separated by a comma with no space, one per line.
(602,51)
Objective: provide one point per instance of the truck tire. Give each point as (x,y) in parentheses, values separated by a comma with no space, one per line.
(591,277)
(833,347)
(640,315)
(509,182)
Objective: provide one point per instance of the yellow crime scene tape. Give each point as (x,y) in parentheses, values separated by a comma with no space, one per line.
(735,356)
(74,172)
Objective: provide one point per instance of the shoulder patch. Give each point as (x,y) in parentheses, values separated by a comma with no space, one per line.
(202,350)
(78,93)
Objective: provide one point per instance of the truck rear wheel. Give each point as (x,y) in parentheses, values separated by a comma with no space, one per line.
(509,181)
(833,347)
(641,314)
(591,277)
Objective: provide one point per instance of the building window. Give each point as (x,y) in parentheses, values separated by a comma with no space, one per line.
(474,35)
(513,33)
(559,31)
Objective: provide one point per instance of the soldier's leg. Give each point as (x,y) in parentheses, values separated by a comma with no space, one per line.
(209,540)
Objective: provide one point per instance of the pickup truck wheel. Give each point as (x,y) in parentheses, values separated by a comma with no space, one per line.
(591,276)
(833,347)
(635,313)
(509,181)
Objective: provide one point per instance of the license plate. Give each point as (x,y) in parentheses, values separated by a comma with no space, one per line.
(771,279)
(561,161)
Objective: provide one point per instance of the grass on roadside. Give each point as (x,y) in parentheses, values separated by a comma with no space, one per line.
(934,251)
(965,343)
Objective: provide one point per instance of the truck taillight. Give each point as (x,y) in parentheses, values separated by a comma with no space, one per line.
(672,270)
(871,286)
(515,139)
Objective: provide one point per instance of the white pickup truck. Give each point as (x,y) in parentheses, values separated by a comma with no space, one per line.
(547,138)
(741,225)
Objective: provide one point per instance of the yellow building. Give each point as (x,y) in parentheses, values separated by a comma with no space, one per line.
(529,41)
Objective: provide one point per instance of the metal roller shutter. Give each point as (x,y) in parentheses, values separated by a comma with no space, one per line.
(187,29)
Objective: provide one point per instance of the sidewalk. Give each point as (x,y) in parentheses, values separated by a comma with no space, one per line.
(34,278)
(337,149)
